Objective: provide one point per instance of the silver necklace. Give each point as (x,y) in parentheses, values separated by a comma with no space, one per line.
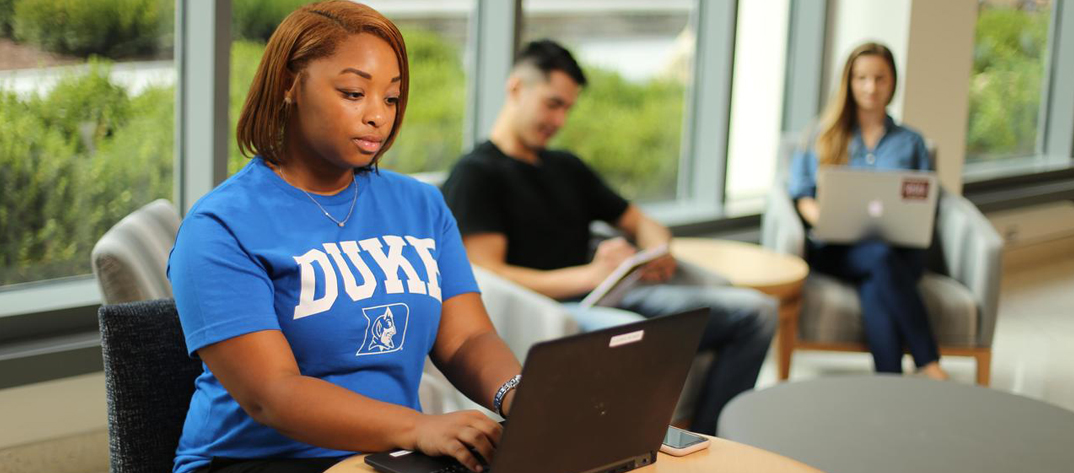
(341,223)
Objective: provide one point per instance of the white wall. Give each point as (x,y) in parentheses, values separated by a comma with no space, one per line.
(853,22)
(932,41)
(937,80)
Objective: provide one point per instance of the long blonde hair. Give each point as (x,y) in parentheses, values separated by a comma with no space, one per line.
(837,122)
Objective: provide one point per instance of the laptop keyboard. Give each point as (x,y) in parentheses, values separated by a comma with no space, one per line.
(456,467)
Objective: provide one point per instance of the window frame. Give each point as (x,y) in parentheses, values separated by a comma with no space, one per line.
(50,326)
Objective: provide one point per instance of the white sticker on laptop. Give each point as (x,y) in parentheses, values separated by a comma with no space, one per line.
(626,338)
(400,453)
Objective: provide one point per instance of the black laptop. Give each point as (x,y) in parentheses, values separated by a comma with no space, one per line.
(597,402)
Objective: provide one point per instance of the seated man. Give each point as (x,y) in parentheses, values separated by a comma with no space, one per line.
(524,213)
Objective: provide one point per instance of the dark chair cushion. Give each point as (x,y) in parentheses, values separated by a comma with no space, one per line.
(149,380)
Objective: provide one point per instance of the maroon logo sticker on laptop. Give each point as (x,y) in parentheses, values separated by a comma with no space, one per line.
(915,189)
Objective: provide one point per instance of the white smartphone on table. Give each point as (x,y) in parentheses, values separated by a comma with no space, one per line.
(678,442)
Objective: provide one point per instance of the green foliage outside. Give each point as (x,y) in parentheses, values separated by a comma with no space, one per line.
(629,132)
(73,163)
(82,156)
(7,18)
(110,28)
(255,20)
(1005,88)
(431,137)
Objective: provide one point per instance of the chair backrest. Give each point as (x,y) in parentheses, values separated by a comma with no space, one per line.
(149,379)
(789,143)
(131,259)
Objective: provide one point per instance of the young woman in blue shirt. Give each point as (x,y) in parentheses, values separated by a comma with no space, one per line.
(313,286)
(856,131)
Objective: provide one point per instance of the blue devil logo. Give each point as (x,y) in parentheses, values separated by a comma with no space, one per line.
(386,330)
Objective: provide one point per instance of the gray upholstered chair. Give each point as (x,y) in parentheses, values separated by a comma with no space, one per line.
(960,290)
(131,259)
(148,380)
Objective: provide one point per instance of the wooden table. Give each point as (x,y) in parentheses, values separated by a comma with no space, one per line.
(722,456)
(752,266)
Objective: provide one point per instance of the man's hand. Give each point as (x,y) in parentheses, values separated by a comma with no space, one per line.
(610,254)
(659,270)
(455,433)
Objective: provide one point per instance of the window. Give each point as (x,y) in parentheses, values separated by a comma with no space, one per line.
(86,126)
(435,35)
(637,57)
(1011,45)
(756,103)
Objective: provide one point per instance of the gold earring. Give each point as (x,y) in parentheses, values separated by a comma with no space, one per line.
(287,100)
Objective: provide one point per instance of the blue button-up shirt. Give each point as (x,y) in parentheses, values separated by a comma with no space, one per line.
(899,148)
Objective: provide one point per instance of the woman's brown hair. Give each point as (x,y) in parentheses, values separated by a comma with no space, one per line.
(309,33)
(840,115)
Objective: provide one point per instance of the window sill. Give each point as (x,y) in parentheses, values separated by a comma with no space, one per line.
(1001,169)
(49,296)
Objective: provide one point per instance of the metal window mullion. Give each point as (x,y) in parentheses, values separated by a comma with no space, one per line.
(803,86)
(704,160)
(493,40)
(202,56)
(1058,126)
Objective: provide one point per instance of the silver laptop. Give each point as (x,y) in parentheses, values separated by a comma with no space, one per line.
(898,207)
(599,402)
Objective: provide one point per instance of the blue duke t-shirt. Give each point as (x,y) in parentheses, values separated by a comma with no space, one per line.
(359,304)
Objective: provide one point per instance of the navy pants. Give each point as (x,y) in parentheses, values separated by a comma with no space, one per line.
(892,311)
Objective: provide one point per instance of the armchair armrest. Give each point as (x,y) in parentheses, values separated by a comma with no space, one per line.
(522,317)
(781,228)
(972,254)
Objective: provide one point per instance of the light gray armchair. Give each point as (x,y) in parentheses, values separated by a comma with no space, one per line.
(131,259)
(523,317)
(960,290)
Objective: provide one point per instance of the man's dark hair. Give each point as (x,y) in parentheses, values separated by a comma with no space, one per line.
(547,56)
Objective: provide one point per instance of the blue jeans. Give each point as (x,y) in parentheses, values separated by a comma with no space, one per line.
(892,311)
(740,328)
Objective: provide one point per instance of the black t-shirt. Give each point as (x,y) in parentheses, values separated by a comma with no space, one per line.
(544,210)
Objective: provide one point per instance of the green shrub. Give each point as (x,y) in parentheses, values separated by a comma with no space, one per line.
(629,132)
(7,15)
(1005,89)
(431,135)
(79,158)
(86,106)
(73,163)
(245,56)
(37,184)
(255,20)
(112,28)
(134,165)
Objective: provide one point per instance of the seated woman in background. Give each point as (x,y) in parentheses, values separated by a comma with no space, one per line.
(855,130)
(313,285)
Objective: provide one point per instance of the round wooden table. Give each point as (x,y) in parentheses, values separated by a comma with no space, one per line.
(722,456)
(748,265)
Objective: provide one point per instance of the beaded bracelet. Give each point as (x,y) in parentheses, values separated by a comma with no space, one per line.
(497,400)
